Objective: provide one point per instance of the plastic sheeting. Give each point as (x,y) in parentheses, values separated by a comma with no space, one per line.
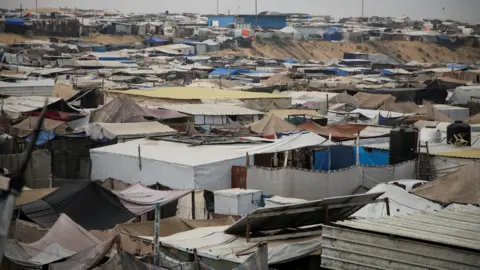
(401,203)
(139,199)
(88,204)
(63,240)
(463,94)
(100,131)
(312,185)
(213,243)
(373,157)
(270,125)
(126,261)
(334,158)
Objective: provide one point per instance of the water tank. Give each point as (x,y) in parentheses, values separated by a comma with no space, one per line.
(403,144)
(459,134)
(431,135)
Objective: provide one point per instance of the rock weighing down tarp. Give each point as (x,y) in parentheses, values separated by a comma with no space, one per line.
(65,240)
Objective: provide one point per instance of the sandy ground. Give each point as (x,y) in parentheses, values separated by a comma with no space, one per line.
(323,50)
(103,39)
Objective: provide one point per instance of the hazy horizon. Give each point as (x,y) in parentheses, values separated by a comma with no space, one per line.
(462,10)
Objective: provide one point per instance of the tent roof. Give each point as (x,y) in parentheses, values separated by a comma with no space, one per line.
(88,204)
(461,186)
(99,131)
(184,154)
(120,110)
(433,114)
(372,101)
(270,125)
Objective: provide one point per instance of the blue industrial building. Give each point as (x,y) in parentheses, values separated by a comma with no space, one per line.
(263,21)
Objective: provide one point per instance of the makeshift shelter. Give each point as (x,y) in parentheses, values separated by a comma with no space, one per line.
(333,34)
(461,186)
(401,203)
(345,132)
(463,94)
(66,241)
(372,101)
(120,110)
(25,128)
(401,107)
(88,204)
(270,125)
(432,113)
(183,166)
(474,119)
(123,131)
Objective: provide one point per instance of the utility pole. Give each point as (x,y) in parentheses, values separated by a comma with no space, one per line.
(238,10)
(36,9)
(218,7)
(363,4)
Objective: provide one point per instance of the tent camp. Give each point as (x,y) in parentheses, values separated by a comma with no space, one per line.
(183,166)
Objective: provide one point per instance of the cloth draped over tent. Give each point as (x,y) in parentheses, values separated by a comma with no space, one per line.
(139,199)
(64,239)
(461,186)
(88,204)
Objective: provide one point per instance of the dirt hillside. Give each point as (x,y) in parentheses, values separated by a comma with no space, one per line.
(403,51)
(103,39)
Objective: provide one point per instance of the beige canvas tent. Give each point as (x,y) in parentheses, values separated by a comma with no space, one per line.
(271,124)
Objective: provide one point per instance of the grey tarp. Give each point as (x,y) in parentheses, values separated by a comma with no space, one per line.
(463,94)
(38,170)
(314,185)
(63,240)
(461,186)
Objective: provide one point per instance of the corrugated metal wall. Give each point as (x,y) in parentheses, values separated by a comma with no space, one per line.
(352,249)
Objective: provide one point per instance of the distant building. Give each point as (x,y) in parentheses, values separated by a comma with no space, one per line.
(247,21)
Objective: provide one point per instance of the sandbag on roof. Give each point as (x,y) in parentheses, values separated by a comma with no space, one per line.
(372,101)
(461,186)
(63,240)
(122,109)
(140,200)
(433,114)
(270,125)
(87,203)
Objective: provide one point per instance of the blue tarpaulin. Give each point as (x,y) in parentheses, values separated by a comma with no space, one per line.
(340,157)
(457,67)
(287,60)
(154,41)
(333,34)
(374,157)
(386,72)
(43,137)
(15,21)
(226,71)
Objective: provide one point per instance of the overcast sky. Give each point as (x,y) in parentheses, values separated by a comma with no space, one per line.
(465,10)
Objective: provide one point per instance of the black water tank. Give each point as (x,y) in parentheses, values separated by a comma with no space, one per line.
(403,144)
(459,133)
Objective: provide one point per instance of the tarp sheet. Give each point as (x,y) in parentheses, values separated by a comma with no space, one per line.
(372,101)
(100,131)
(25,128)
(139,199)
(38,169)
(270,125)
(401,203)
(213,243)
(433,114)
(311,185)
(63,240)
(461,186)
(373,157)
(88,204)
(463,94)
(334,158)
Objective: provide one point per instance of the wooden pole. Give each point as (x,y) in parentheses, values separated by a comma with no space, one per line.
(139,158)
(387,203)
(193,204)
(156,260)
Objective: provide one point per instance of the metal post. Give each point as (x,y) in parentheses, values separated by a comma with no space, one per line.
(139,158)
(218,7)
(36,9)
(157,232)
(247,229)
(326,219)
(387,202)
(193,204)
(256,13)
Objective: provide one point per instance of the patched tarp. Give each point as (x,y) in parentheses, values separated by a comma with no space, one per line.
(88,204)
(63,240)
(461,186)
(140,200)
(270,125)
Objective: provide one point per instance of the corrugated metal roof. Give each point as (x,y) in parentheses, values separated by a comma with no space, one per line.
(211,109)
(189,93)
(458,227)
(17,105)
(28,83)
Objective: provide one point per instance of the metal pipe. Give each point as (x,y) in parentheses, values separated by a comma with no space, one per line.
(157,232)
(193,204)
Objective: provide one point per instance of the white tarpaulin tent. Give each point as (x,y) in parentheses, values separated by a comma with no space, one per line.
(182,166)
